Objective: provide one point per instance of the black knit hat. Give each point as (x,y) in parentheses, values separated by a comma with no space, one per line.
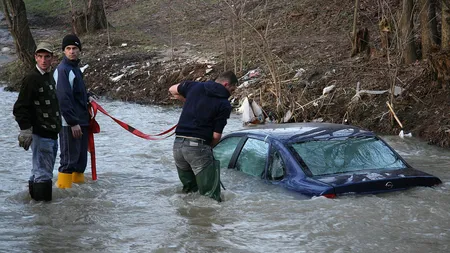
(71,40)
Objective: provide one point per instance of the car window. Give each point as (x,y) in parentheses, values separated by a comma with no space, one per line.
(276,167)
(346,155)
(252,159)
(223,151)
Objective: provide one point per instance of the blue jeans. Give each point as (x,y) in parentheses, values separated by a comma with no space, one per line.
(190,155)
(44,156)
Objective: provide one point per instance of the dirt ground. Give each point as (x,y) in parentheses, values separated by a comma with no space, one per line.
(298,48)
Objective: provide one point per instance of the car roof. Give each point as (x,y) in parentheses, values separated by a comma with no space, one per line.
(297,132)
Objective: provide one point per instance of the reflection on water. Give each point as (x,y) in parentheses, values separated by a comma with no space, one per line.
(136,205)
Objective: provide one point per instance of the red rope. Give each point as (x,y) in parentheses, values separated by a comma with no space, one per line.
(94,127)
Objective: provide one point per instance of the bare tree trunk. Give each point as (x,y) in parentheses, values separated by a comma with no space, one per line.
(107,24)
(233,26)
(433,22)
(354,38)
(427,21)
(241,35)
(91,19)
(445,25)
(96,16)
(16,15)
(225,44)
(406,28)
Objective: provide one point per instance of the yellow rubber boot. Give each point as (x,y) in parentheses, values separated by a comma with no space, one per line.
(77,177)
(64,180)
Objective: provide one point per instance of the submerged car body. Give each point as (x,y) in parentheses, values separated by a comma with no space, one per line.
(320,159)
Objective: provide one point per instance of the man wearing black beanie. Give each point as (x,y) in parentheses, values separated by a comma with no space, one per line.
(71,39)
(73,101)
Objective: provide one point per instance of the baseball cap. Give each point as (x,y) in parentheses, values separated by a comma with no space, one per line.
(44,46)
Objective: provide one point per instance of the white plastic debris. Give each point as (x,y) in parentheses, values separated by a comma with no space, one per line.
(84,68)
(255,73)
(252,113)
(117,78)
(124,45)
(299,73)
(257,110)
(128,67)
(246,110)
(327,89)
(318,120)
(287,116)
(398,90)
(403,135)
(247,83)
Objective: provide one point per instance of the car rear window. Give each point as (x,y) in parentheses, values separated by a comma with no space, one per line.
(346,155)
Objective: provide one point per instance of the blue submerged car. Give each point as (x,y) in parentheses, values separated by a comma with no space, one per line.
(319,159)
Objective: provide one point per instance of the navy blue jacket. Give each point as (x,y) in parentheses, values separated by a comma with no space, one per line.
(71,92)
(205,110)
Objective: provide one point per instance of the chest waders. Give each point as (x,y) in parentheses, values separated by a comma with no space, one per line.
(207,182)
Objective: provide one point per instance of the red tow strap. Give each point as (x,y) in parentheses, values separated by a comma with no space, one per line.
(94,127)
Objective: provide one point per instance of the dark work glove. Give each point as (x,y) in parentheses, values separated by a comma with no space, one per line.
(25,138)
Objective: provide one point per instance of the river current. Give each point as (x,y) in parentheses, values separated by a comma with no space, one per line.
(136,205)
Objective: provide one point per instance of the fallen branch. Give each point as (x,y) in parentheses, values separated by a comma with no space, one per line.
(395,115)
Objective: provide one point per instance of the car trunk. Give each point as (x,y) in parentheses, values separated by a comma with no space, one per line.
(376,181)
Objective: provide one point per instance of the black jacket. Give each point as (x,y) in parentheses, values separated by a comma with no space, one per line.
(37,105)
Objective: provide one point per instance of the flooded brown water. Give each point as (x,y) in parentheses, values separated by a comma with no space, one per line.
(136,205)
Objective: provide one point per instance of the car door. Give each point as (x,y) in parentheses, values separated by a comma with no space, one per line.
(249,155)
(252,158)
(225,150)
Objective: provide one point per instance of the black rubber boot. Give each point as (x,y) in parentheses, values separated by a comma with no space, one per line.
(42,191)
(187,178)
(208,181)
(30,188)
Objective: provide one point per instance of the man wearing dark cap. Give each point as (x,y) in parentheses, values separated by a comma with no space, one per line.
(37,113)
(73,101)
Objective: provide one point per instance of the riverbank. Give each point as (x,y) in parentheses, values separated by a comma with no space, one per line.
(303,50)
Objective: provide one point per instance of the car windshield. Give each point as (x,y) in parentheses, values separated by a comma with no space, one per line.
(347,155)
